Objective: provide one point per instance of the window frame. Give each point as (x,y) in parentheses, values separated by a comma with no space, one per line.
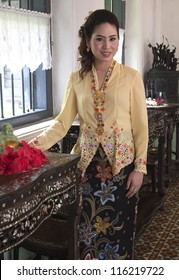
(118,7)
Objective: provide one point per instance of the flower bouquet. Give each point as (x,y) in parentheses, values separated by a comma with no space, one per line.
(22,158)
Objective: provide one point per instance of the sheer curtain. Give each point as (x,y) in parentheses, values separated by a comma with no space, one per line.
(24,40)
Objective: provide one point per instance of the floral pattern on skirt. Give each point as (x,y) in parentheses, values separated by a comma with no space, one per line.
(108,218)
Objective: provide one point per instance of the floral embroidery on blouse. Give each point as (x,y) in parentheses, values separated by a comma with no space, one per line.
(140,165)
(118,148)
(88,142)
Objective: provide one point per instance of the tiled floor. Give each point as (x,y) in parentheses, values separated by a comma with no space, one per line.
(158,224)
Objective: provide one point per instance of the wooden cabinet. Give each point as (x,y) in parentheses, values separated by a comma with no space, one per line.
(165,82)
(70,139)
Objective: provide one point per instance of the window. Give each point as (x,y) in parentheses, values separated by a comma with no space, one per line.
(26,97)
(118,8)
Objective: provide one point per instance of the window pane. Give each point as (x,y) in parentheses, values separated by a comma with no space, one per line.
(4,2)
(23,92)
(15,3)
(40,101)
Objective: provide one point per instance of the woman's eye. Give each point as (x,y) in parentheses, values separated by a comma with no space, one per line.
(100,39)
(113,39)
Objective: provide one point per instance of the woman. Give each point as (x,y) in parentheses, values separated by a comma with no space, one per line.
(110,101)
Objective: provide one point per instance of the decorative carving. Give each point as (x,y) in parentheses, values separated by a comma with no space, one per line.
(162,121)
(41,194)
(163,57)
(17,232)
(162,79)
(157,125)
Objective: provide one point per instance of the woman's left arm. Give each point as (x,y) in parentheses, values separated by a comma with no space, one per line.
(139,123)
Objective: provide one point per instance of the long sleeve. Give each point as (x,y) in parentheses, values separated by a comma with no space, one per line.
(61,123)
(139,123)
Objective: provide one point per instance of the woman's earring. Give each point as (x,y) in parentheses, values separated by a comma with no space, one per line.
(88,49)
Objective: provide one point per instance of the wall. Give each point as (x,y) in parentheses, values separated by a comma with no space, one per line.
(147,21)
(141,28)
(170,22)
(67,18)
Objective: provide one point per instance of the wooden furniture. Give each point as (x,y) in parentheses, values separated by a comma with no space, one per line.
(70,139)
(165,82)
(162,121)
(28,199)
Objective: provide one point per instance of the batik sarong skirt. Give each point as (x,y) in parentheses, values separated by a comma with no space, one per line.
(108,218)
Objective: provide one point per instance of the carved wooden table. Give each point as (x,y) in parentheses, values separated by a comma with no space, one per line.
(28,198)
(162,121)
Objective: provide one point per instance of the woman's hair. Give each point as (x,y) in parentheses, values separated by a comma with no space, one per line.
(85,33)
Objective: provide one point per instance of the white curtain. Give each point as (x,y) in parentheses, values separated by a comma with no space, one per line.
(24,40)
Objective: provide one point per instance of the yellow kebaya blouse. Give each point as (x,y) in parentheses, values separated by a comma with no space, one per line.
(125,124)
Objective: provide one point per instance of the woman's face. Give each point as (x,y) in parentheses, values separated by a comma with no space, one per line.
(104,42)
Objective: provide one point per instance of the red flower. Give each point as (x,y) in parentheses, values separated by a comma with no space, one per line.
(22,159)
(7,162)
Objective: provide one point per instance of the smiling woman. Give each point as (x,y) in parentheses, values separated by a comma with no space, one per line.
(113,139)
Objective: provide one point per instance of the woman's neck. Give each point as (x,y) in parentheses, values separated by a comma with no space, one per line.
(102,67)
(101,70)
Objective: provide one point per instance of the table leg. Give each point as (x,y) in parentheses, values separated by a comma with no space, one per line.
(161,151)
(177,142)
(169,152)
